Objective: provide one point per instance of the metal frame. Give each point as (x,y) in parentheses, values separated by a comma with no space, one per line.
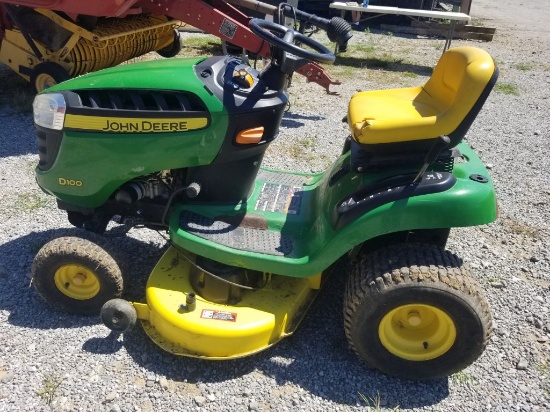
(411,13)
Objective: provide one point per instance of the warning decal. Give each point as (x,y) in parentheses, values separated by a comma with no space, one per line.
(228,28)
(280,199)
(218,315)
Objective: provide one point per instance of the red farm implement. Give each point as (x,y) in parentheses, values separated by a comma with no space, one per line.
(49,41)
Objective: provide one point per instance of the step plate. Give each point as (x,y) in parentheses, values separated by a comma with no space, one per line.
(236,237)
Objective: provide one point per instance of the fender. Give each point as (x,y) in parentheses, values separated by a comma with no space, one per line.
(319,242)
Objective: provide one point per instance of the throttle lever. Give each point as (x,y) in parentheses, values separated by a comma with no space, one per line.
(440,143)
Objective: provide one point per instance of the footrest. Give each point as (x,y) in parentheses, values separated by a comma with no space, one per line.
(237,237)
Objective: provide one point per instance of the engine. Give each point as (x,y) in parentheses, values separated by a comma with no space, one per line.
(139,202)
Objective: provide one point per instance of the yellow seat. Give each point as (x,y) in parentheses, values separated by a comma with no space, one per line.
(409,119)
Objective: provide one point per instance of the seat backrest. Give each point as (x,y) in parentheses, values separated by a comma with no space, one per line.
(461,82)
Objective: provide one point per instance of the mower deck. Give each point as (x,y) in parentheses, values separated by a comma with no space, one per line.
(218,331)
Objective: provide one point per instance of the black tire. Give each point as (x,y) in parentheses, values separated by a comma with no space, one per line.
(75,275)
(173,48)
(46,75)
(118,315)
(402,295)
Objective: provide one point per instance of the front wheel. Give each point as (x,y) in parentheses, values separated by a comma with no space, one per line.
(413,311)
(75,275)
(118,315)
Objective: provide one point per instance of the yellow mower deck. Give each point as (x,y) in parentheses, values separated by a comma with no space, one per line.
(219,331)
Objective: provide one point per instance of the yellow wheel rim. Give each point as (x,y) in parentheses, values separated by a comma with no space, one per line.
(44,81)
(76,282)
(417,332)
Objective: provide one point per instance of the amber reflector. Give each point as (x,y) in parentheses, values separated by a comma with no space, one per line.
(250,136)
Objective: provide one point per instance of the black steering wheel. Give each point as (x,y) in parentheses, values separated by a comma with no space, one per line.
(264,30)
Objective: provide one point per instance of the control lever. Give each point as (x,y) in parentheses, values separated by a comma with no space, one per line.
(440,143)
(338,30)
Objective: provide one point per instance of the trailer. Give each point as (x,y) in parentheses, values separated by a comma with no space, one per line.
(49,41)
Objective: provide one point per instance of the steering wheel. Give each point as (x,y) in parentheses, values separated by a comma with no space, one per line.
(264,30)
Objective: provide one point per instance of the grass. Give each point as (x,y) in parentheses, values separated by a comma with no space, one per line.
(477,22)
(385,61)
(29,202)
(50,384)
(300,151)
(192,46)
(201,46)
(373,403)
(524,66)
(507,88)
(461,378)
(519,228)
(364,48)
(379,59)
(544,369)
(492,280)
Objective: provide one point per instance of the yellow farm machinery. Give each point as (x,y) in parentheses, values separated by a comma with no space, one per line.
(49,41)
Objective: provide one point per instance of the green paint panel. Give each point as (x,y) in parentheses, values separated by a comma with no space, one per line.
(317,244)
(165,74)
(102,162)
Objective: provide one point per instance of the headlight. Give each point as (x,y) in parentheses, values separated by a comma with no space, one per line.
(49,110)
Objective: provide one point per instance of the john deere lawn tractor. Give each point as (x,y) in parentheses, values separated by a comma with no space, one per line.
(177,145)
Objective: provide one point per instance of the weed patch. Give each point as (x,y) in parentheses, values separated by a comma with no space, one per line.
(524,66)
(50,384)
(29,202)
(461,378)
(544,369)
(374,403)
(507,88)
(519,228)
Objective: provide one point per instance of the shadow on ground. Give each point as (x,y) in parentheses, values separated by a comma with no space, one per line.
(316,358)
(292,120)
(27,309)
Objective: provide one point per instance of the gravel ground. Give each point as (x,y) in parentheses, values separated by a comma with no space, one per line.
(54,361)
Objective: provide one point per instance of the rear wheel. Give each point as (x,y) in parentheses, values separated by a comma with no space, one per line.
(75,275)
(46,75)
(413,311)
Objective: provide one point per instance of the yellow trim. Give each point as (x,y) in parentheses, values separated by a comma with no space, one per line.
(315,281)
(44,81)
(417,332)
(157,22)
(134,124)
(15,52)
(260,319)
(77,282)
(142,310)
(416,113)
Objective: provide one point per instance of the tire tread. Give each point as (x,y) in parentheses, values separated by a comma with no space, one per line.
(407,264)
(71,249)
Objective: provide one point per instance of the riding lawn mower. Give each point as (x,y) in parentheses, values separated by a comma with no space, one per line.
(177,145)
